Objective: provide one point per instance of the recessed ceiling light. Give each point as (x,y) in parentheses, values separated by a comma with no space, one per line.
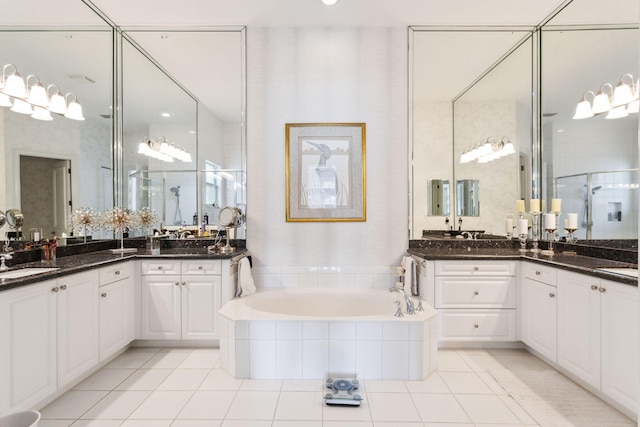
(165,114)
(329,2)
(192,132)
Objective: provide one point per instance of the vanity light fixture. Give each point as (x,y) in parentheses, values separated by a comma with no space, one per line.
(329,2)
(5,101)
(602,100)
(74,109)
(37,93)
(149,148)
(162,149)
(487,150)
(617,103)
(21,106)
(40,113)
(57,102)
(14,85)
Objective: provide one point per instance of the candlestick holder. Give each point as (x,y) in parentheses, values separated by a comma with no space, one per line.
(551,232)
(535,220)
(523,242)
(570,238)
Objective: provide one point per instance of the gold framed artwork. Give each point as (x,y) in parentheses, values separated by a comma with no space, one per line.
(325,172)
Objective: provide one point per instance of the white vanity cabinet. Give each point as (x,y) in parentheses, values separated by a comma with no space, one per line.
(117,295)
(28,337)
(180,299)
(538,308)
(598,335)
(49,336)
(476,300)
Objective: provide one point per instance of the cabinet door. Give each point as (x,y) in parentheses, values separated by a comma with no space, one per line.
(27,346)
(78,325)
(579,325)
(539,321)
(200,304)
(160,310)
(619,314)
(116,317)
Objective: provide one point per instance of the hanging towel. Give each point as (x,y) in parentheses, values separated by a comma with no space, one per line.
(410,282)
(245,281)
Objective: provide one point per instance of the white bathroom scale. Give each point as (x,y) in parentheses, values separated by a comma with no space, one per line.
(342,392)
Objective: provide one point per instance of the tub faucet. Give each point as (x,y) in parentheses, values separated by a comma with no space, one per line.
(407,298)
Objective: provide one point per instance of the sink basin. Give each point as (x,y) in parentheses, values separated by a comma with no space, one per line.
(625,271)
(24,272)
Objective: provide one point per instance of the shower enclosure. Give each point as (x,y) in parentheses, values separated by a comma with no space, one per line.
(606,203)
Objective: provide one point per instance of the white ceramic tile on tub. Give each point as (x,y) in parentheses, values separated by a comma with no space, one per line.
(369,331)
(417,361)
(262,358)
(395,331)
(342,358)
(369,359)
(262,330)
(315,330)
(289,359)
(395,360)
(288,330)
(342,331)
(315,358)
(241,329)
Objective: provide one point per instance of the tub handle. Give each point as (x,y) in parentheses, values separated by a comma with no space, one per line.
(398,310)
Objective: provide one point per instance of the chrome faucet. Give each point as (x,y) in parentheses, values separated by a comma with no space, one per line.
(407,298)
(5,254)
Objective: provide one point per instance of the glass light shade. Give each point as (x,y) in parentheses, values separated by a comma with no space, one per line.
(74,111)
(145,148)
(38,95)
(602,101)
(633,107)
(583,110)
(508,149)
(5,101)
(41,113)
(57,102)
(14,86)
(21,106)
(617,113)
(622,95)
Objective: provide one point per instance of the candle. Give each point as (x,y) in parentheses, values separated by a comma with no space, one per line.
(508,225)
(572,220)
(555,205)
(520,206)
(550,221)
(534,205)
(523,226)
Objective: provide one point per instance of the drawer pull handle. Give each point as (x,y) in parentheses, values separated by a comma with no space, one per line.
(117,272)
(63,287)
(200,267)
(552,295)
(538,273)
(177,283)
(475,325)
(104,295)
(476,293)
(56,289)
(159,267)
(594,287)
(184,283)
(602,290)
(476,268)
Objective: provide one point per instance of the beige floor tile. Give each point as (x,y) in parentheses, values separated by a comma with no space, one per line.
(161,405)
(440,408)
(116,405)
(207,405)
(72,404)
(392,407)
(253,405)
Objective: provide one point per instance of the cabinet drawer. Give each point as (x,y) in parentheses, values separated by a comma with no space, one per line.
(475,292)
(115,272)
(540,273)
(202,267)
(159,267)
(477,268)
(478,325)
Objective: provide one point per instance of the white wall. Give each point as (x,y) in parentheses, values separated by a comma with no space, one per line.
(301,75)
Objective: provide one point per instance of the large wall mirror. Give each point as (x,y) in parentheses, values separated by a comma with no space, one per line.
(49,165)
(197,107)
(591,163)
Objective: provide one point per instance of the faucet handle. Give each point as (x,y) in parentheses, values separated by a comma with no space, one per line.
(420,307)
(398,310)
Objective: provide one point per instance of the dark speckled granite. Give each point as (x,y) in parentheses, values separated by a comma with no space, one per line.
(578,258)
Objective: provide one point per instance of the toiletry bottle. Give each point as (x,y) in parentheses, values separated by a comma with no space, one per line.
(206,218)
(195,218)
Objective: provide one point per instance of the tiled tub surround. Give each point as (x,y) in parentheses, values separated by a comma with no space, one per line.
(262,344)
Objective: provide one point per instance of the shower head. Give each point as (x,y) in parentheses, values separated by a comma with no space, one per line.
(594,189)
(175,191)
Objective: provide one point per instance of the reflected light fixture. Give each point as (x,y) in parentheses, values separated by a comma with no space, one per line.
(488,150)
(617,112)
(5,101)
(583,110)
(40,113)
(602,100)
(21,106)
(623,93)
(329,2)
(163,149)
(74,109)
(37,93)
(14,85)
(57,102)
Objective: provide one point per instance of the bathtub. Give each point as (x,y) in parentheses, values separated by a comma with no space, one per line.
(299,333)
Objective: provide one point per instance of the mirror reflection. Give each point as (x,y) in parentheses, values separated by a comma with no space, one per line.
(51,166)
(439,197)
(467,197)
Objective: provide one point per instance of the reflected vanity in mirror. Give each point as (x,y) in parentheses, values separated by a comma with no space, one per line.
(438,193)
(467,197)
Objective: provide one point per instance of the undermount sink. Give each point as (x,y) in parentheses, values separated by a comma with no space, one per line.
(24,272)
(625,271)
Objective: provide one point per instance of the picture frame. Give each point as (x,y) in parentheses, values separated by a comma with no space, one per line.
(325,172)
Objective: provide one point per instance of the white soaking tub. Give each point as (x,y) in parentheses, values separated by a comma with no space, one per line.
(316,333)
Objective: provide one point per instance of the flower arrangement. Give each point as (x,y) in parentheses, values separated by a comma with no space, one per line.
(84,219)
(145,218)
(119,220)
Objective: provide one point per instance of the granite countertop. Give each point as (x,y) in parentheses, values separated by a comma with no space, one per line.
(87,261)
(566,261)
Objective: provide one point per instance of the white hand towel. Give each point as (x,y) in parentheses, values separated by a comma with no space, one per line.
(245,280)
(409,275)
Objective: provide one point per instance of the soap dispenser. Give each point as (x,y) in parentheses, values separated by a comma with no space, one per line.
(195,218)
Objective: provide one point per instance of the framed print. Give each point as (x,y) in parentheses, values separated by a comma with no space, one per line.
(325,172)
